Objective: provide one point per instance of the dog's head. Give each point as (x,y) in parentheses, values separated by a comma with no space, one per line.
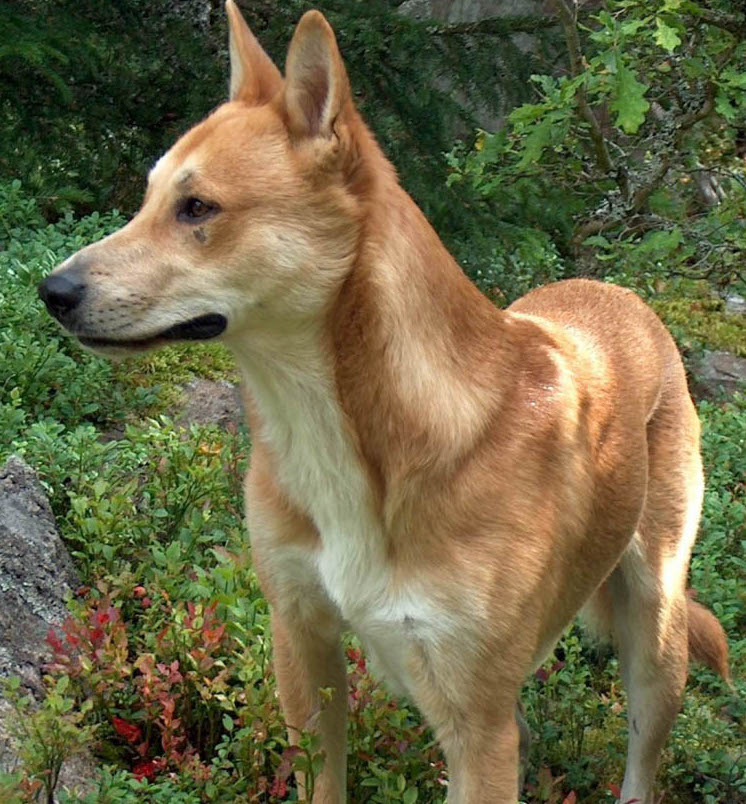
(250,221)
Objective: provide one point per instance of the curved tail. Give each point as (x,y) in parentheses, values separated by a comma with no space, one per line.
(707,641)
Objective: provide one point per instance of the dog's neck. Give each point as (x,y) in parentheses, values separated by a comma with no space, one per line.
(409,349)
(420,353)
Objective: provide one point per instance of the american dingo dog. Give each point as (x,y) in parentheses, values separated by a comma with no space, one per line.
(452,481)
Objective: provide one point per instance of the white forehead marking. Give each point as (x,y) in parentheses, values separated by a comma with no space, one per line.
(166,164)
(159,167)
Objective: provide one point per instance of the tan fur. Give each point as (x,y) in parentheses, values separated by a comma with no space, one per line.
(706,643)
(452,481)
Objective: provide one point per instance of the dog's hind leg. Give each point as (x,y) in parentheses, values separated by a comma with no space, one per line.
(647,591)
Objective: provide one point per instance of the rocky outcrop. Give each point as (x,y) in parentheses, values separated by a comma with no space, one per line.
(36,578)
(36,573)
(716,373)
(211,402)
(734,304)
(470,10)
(467,12)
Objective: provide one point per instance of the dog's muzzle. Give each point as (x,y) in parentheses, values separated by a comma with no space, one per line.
(64,292)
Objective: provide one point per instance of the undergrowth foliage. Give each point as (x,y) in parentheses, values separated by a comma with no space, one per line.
(163,669)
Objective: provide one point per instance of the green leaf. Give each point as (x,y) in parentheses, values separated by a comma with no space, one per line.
(173,552)
(410,795)
(666,36)
(596,240)
(228,723)
(629,102)
(725,108)
(633,26)
(535,144)
(661,243)
(527,113)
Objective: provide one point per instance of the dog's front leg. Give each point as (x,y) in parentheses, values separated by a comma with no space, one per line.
(471,704)
(483,762)
(306,627)
(309,658)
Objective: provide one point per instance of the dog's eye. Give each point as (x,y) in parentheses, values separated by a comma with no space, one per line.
(193,209)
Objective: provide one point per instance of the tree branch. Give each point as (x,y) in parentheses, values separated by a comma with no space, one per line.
(720,19)
(687,122)
(569,21)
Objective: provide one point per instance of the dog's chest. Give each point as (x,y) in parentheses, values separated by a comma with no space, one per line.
(321,472)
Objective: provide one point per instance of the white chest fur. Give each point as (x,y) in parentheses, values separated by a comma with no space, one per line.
(322,473)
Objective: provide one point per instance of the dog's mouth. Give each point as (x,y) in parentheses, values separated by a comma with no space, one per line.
(202,328)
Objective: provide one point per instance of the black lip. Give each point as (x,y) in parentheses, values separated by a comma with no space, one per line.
(202,328)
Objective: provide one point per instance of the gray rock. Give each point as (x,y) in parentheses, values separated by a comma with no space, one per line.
(470,10)
(211,402)
(36,578)
(716,373)
(735,304)
(473,11)
(36,573)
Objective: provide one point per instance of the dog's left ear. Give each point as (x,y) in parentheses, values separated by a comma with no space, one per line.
(254,77)
(316,86)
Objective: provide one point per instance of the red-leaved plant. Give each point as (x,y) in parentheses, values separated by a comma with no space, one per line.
(167,709)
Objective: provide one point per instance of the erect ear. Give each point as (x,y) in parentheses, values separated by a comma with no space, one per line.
(254,77)
(316,84)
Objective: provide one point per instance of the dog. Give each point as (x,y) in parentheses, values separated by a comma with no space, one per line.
(452,481)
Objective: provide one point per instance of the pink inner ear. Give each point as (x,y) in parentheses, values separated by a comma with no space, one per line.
(314,97)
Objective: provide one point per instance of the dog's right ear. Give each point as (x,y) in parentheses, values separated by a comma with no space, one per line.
(254,77)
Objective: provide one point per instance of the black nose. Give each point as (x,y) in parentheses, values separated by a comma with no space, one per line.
(62,292)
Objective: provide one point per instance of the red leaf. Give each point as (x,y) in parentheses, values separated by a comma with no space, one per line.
(54,642)
(213,635)
(570,798)
(96,635)
(144,770)
(129,731)
(73,640)
(615,790)
(278,788)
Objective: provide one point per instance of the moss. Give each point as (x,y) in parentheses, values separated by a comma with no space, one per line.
(165,370)
(698,320)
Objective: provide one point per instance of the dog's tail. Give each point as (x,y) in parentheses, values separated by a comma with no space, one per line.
(707,641)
